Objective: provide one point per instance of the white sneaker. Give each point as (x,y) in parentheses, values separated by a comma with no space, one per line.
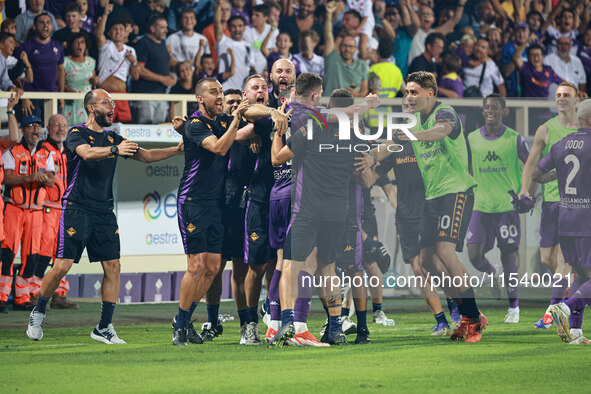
(243,334)
(348,326)
(379,317)
(35,327)
(252,334)
(106,335)
(511,317)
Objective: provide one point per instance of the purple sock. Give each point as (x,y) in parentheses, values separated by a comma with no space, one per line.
(558,291)
(274,305)
(302,304)
(580,298)
(509,262)
(576,317)
(485,266)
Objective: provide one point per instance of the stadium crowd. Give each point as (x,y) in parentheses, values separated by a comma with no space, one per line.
(515,48)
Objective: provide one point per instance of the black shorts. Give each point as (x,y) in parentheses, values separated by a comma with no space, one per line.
(446,219)
(233,219)
(349,250)
(305,233)
(257,249)
(201,227)
(97,232)
(408,232)
(369,224)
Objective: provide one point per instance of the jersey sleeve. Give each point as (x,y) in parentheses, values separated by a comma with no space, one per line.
(297,142)
(445,115)
(197,131)
(75,139)
(546,164)
(522,149)
(8,160)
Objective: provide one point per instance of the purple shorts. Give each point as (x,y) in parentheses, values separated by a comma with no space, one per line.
(279,216)
(549,225)
(576,250)
(485,227)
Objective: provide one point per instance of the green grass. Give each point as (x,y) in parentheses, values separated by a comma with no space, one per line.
(404,357)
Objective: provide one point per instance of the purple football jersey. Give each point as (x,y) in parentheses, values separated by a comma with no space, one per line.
(571,157)
(282,175)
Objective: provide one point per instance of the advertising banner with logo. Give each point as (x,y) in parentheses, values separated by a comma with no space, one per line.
(147,206)
(148,133)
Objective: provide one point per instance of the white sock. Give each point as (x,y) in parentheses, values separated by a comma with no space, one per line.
(300,327)
(275,324)
(576,332)
(548,310)
(516,310)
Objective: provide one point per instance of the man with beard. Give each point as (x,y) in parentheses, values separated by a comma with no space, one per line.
(209,134)
(87,219)
(303,20)
(283,73)
(52,210)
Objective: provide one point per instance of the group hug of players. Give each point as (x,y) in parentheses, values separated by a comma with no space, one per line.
(33,172)
(258,188)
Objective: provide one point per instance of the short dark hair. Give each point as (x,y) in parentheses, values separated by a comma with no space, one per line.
(497,97)
(532,13)
(234,17)
(262,8)
(188,10)
(74,36)
(6,23)
(228,92)
(355,13)
(89,99)
(451,62)
(73,7)
(385,47)
(153,19)
(565,10)
(307,83)
(430,40)
(286,92)
(532,47)
(39,16)
(341,98)
(206,56)
(424,79)
(5,36)
(202,82)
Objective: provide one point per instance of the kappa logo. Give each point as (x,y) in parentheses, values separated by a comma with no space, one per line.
(191,227)
(254,236)
(224,124)
(74,131)
(110,139)
(195,120)
(492,156)
(442,234)
(348,248)
(117,231)
(71,231)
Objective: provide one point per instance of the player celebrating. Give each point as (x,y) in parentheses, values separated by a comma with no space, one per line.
(496,153)
(547,135)
(87,219)
(571,157)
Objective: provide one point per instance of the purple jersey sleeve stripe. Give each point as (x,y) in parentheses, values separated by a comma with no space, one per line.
(74,177)
(188,182)
(246,249)
(182,226)
(298,191)
(61,244)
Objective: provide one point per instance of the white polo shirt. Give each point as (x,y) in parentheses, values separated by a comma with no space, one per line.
(572,71)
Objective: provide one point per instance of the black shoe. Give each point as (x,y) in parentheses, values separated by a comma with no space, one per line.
(179,337)
(192,334)
(335,337)
(362,336)
(211,331)
(284,334)
(27,306)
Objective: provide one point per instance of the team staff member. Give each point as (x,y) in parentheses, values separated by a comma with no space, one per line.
(26,175)
(6,142)
(87,219)
(57,129)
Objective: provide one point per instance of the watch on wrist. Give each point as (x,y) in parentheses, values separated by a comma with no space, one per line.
(114,150)
(10,112)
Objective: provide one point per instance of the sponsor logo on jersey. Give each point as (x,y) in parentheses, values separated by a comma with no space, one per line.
(492,156)
(254,236)
(191,227)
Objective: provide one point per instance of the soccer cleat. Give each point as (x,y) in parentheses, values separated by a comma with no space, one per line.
(179,337)
(59,302)
(580,340)
(362,336)
(440,329)
(209,331)
(324,327)
(496,287)
(27,306)
(545,322)
(335,337)
(252,334)
(456,319)
(35,327)
(285,333)
(271,332)
(462,331)
(306,339)
(379,317)
(192,334)
(560,313)
(512,318)
(243,334)
(106,335)
(348,326)
(474,332)
(483,321)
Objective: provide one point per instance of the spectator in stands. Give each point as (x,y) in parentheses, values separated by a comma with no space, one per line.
(141,13)
(522,38)
(80,76)
(116,61)
(451,85)
(73,25)
(535,77)
(353,27)
(9,26)
(399,20)
(256,34)
(568,67)
(47,61)
(275,10)
(495,44)
(428,60)
(25,21)
(239,7)
(185,85)
(565,27)
(208,68)
(186,43)
(6,49)
(155,75)
(584,54)
(223,11)
(16,68)
(464,51)
(118,13)
(492,76)
(367,22)
(301,21)
(243,53)
(388,73)
(308,61)
(345,70)
(87,20)
(534,21)
(282,49)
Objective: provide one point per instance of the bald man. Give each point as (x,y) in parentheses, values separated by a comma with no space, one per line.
(283,74)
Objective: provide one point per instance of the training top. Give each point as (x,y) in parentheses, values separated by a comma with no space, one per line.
(496,167)
(443,163)
(90,183)
(556,132)
(262,180)
(572,159)
(282,177)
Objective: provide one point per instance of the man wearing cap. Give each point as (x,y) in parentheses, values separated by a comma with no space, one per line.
(25,177)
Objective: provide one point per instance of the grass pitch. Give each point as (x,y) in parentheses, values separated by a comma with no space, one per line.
(509,358)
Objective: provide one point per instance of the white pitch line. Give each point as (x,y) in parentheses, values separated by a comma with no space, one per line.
(42,346)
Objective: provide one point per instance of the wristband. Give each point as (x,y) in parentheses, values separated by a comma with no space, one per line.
(134,64)
(270,112)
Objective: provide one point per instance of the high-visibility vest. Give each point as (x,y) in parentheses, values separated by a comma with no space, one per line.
(28,195)
(55,193)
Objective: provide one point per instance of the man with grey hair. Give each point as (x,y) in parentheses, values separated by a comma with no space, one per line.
(571,157)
